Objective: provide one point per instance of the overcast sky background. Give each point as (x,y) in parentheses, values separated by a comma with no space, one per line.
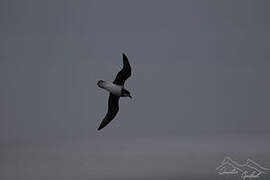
(200,88)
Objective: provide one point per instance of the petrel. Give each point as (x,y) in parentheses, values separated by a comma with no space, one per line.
(116,90)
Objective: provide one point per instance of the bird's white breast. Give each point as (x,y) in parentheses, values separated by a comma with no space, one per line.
(112,88)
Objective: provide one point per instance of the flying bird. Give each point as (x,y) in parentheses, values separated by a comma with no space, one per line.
(116,90)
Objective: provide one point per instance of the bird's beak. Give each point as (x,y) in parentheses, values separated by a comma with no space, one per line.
(130,96)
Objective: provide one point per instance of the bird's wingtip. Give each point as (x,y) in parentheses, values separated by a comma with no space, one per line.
(100,127)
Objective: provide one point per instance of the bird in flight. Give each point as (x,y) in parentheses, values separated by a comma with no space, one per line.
(116,90)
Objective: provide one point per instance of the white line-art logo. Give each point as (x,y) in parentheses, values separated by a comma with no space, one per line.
(249,170)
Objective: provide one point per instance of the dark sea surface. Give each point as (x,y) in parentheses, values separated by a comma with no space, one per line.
(141,159)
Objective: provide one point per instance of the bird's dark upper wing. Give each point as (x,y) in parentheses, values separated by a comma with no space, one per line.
(125,72)
(113,107)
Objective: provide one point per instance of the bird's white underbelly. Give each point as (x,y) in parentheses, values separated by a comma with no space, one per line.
(112,88)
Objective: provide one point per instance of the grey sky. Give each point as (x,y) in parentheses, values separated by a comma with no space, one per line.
(200,70)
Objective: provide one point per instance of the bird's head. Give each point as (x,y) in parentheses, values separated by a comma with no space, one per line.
(126,93)
(100,83)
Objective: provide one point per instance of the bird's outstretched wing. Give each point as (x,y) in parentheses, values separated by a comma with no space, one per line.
(113,107)
(125,72)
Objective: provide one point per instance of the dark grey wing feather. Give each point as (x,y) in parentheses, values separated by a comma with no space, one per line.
(113,107)
(125,72)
